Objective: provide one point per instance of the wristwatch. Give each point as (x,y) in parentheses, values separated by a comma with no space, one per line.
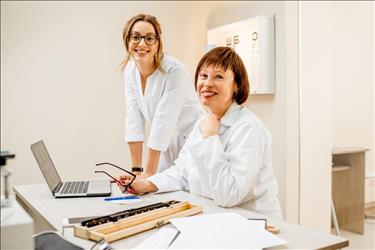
(137,169)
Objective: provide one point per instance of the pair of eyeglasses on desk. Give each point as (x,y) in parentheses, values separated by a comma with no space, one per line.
(113,178)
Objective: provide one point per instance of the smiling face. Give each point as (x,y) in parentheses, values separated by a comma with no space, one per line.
(142,52)
(215,88)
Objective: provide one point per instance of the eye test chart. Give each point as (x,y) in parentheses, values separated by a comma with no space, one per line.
(253,40)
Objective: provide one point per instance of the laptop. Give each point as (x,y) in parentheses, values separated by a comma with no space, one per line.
(70,189)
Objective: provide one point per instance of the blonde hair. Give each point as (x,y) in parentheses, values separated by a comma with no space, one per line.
(125,37)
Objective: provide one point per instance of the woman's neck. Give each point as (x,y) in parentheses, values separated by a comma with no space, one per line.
(145,69)
(221,110)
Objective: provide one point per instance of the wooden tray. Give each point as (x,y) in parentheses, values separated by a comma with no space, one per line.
(123,228)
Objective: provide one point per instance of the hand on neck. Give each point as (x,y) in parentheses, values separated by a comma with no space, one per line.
(218,113)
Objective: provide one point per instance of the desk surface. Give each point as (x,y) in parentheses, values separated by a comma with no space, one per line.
(39,200)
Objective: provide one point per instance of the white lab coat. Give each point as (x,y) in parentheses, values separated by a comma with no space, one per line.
(234,168)
(169,104)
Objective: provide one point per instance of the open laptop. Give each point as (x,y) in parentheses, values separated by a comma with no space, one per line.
(61,189)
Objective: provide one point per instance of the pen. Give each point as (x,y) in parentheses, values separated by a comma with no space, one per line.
(132,197)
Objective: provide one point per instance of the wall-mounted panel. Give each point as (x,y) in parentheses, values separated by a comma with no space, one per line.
(253,40)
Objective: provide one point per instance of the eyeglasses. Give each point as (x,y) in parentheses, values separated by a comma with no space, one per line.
(149,39)
(113,178)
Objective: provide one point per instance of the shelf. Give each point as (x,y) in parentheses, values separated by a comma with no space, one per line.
(340,168)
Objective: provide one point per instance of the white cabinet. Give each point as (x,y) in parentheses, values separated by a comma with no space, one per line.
(17,227)
(253,40)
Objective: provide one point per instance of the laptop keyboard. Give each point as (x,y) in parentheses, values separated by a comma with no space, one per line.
(75,187)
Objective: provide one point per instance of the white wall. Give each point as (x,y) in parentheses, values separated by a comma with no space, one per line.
(336,96)
(271,109)
(315,90)
(353,78)
(292,168)
(373,99)
(59,81)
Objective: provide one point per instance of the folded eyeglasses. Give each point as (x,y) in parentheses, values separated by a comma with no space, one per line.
(113,178)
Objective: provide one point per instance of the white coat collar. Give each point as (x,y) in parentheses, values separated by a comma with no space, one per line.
(231,115)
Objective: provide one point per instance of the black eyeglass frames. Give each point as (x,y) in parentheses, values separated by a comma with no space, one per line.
(113,178)
(150,39)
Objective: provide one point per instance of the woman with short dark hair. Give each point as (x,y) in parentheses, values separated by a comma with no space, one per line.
(227,156)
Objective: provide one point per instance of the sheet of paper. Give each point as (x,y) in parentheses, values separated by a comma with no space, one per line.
(224,230)
(159,240)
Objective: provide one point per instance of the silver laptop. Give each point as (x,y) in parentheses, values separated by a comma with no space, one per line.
(61,189)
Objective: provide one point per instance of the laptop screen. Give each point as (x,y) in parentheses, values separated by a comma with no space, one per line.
(46,165)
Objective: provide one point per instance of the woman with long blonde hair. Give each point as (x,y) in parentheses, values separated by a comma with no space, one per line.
(158,90)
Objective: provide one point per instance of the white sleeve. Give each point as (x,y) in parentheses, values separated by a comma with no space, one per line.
(230,172)
(134,120)
(175,177)
(169,109)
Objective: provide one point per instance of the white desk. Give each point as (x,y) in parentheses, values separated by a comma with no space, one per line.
(49,212)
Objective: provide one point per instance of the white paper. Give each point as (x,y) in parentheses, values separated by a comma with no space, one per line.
(159,240)
(224,230)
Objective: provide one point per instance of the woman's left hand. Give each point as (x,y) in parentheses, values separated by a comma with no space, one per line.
(210,125)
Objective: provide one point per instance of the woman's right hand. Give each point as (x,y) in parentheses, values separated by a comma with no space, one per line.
(139,186)
(123,180)
(209,125)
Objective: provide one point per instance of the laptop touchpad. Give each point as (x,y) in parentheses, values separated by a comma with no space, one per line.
(99,187)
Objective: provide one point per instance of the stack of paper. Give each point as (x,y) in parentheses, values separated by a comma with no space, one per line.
(162,239)
(224,230)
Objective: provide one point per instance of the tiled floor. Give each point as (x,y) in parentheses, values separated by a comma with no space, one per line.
(361,241)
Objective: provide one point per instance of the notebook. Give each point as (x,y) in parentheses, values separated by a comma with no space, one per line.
(69,189)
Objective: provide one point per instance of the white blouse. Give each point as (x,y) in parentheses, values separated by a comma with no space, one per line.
(169,104)
(234,168)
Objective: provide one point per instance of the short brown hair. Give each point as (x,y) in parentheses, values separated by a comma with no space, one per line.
(224,58)
(128,27)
